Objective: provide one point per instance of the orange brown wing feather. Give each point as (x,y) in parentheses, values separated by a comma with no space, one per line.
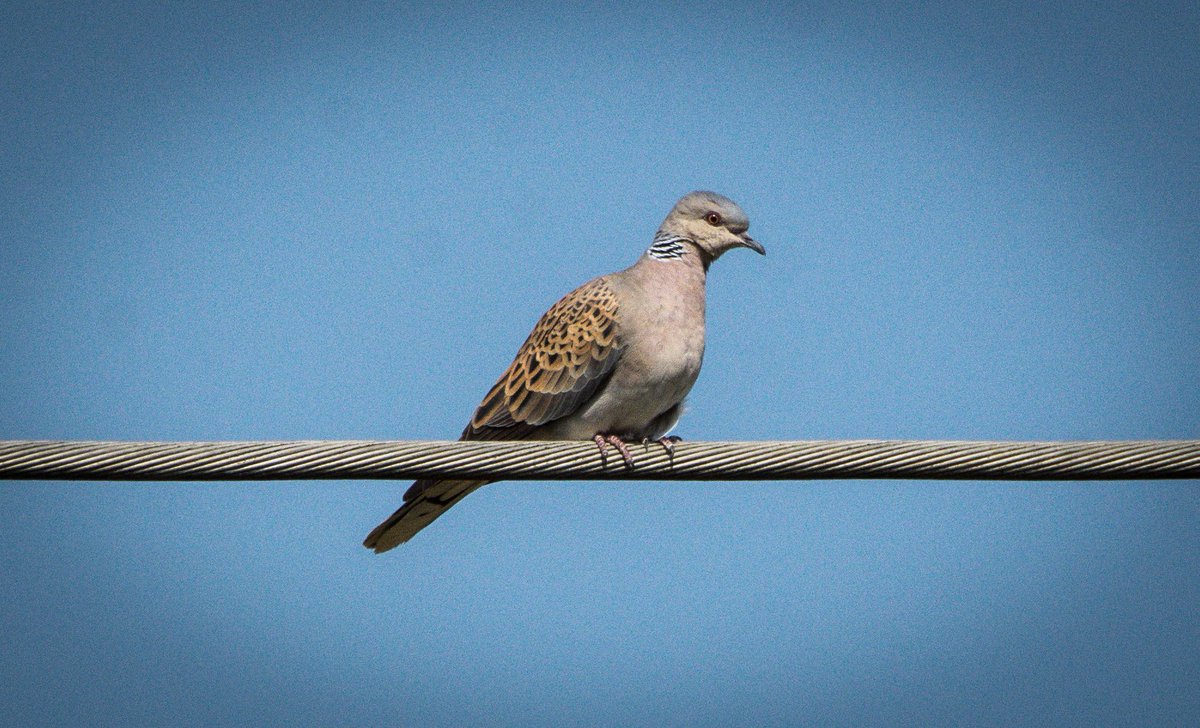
(567,357)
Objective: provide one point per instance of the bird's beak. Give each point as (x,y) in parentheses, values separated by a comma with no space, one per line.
(753,244)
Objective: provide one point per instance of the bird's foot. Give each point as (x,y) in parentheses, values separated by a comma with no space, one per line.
(667,442)
(603,441)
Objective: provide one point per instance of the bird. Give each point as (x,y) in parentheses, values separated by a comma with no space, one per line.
(612,361)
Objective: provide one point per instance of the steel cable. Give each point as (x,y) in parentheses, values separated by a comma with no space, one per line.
(757,460)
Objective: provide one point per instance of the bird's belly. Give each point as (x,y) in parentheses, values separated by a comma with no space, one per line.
(638,393)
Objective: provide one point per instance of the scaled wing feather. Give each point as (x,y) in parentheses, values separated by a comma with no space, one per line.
(566,358)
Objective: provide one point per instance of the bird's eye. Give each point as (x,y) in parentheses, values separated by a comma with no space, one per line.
(713,218)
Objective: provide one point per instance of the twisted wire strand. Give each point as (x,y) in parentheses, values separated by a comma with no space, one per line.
(756,460)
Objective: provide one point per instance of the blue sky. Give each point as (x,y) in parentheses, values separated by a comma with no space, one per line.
(340,221)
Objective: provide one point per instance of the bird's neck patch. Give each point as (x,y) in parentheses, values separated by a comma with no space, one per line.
(668,247)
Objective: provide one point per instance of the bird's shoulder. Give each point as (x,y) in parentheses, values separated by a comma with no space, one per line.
(584,318)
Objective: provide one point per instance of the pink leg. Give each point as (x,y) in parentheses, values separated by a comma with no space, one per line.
(603,441)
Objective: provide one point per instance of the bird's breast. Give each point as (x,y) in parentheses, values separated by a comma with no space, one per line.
(663,349)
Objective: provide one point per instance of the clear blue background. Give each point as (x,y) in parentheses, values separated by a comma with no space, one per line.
(340,221)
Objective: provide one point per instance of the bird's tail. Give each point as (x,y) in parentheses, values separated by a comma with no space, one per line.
(423,503)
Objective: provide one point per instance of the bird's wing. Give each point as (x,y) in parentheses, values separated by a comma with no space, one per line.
(568,356)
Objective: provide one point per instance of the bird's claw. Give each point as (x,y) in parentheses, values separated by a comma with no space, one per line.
(603,441)
(667,442)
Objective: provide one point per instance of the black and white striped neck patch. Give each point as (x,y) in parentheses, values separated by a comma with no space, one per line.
(667,247)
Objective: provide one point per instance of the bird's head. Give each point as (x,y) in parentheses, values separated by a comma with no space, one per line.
(711,222)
